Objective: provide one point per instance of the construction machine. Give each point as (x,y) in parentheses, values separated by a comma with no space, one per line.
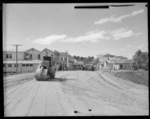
(46,69)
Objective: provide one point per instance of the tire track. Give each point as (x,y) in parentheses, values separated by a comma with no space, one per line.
(32,100)
(17,100)
(17,91)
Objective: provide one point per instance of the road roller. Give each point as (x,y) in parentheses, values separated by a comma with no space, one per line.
(46,69)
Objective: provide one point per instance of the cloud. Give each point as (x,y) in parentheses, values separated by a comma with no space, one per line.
(121,33)
(92,36)
(50,39)
(118,19)
(137,12)
(104,20)
(97,35)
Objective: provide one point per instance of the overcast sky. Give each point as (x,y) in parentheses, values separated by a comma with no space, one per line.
(88,32)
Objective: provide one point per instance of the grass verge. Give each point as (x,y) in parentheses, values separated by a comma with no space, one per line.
(138,77)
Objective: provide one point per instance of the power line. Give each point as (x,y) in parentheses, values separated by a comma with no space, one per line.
(17,56)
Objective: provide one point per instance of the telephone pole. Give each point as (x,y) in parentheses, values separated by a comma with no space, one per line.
(66,59)
(17,56)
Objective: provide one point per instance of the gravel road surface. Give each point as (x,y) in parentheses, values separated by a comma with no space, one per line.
(73,93)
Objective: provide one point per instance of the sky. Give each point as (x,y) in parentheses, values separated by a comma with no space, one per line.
(82,32)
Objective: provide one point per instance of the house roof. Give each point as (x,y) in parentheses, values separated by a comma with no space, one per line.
(32,49)
(46,50)
(55,51)
(119,61)
(63,54)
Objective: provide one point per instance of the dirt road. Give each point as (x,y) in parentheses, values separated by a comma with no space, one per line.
(75,93)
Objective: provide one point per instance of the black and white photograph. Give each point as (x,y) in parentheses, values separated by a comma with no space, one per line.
(75,59)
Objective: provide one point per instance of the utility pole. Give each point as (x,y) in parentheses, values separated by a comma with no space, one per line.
(66,59)
(17,56)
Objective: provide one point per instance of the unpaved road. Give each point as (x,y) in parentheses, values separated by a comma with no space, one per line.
(84,92)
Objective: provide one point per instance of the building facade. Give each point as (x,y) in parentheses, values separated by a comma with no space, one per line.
(22,67)
(46,52)
(114,63)
(117,64)
(28,60)
(32,54)
(11,55)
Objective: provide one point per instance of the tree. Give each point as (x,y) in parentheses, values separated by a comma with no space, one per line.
(140,60)
(96,61)
(137,59)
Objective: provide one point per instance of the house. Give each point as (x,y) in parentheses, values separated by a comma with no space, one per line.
(63,57)
(46,52)
(70,62)
(112,62)
(22,66)
(100,65)
(103,58)
(122,64)
(63,61)
(11,55)
(32,54)
(57,56)
(28,60)
(57,59)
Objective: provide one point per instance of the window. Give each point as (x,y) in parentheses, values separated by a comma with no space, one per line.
(3,65)
(9,65)
(8,56)
(31,65)
(39,56)
(23,65)
(27,65)
(30,56)
(15,65)
(26,54)
(61,58)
